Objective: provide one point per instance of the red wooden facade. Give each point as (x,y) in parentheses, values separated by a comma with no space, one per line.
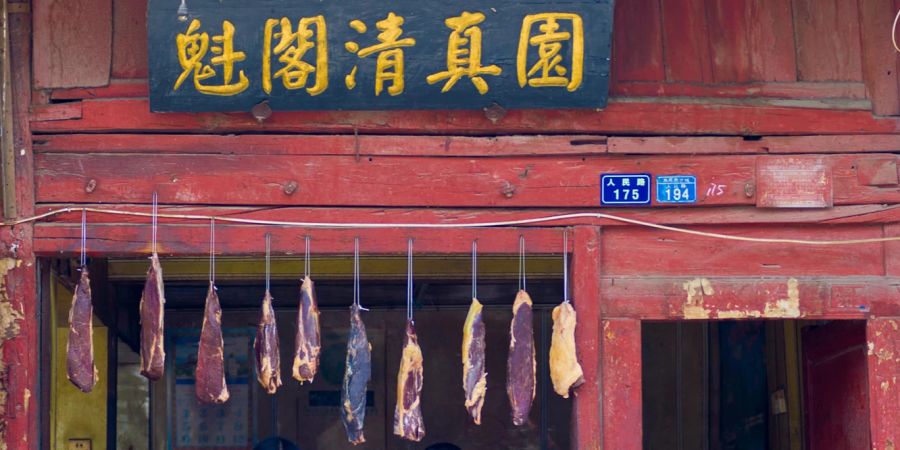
(723,89)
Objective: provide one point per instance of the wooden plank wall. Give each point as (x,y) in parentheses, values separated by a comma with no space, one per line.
(708,87)
(830,54)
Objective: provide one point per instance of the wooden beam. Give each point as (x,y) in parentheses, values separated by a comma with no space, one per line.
(7,150)
(373,145)
(20,377)
(192,240)
(366,145)
(839,215)
(883,336)
(568,181)
(700,298)
(625,116)
(586,294)
(633,251)
(621,361)
(784,90)
(766,144)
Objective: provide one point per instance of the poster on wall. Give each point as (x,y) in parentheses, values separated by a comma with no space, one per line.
(199,426)
(229,55)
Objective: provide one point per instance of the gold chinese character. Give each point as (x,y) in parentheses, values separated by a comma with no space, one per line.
(549,68)
(291,49)
(192,48)
(389,64)
(464,54)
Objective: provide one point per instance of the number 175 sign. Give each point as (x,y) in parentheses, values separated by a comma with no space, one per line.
(625,189)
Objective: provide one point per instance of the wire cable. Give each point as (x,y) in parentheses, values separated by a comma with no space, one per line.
(497,224)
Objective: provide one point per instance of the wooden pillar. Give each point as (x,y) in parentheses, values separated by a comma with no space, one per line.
(621,374)
(586,300)
(19,341)
(883,336)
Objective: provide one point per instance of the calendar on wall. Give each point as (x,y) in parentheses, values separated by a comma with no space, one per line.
(197,425)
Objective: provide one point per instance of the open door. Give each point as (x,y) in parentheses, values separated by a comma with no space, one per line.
(835,386)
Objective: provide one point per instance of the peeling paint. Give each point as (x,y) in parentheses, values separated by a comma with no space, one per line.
(871,346)
(885,386)
(738,314)
(883,355)
(696,289)
(894,324)
(26,396)
(9,328)
(9,317)
(788,307)
(889,445)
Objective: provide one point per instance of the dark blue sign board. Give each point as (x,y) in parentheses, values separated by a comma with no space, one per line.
(625,189)
(229,55)
(676,189)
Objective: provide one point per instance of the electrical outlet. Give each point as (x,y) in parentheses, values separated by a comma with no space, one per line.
(778,402)
(79,444)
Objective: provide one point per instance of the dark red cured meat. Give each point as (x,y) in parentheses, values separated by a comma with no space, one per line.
(308,346)
(521,365)
(210,373)
(408,421)
(153,301)
(268,356)
(474,375)
(80,368)
(357,373)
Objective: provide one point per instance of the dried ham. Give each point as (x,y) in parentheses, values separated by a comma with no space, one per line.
(306,356)
(408,422)
(153,300)
(474,376)
(268,358)
(80,368)
(357,373)
(210,373)
(521,365)
(565,372)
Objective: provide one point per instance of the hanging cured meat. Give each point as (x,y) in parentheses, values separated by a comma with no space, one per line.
(408,422)
(268,357)
(153,300)
(356,378)
(474,376)
(80,368)
(521,366)
(306,357)
(565,372)
(210,373)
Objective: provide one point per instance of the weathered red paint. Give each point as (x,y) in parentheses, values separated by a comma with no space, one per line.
(835,394)
(883,362)
(643,252)
(621,378)
(689,77)
(784,90)
(182,240)
(20,367)
(566,181)
(586,269)
(625,117)
(76,49)
(733,298)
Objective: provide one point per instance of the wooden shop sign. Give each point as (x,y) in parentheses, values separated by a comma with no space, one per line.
(229,55)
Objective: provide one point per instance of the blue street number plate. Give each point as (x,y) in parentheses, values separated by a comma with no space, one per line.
(676,189)
(625,189)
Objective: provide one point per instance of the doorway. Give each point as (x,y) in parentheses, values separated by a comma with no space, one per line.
(755,385)
(138,415)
